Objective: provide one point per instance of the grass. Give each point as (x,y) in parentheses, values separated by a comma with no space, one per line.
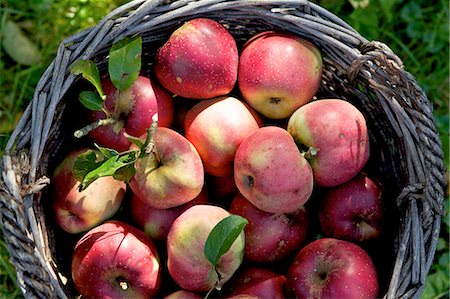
(416,30)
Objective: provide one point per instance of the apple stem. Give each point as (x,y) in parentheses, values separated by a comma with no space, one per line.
(310,153)
(150,148)
(123,285)
(101,122)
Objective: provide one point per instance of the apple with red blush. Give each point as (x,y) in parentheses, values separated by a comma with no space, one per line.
(270,237)
(335,133)
(278,73)
(216,127)
(271,173)
(78,211)
(116,260)
(198,61)
(332,268)
(131,111)
(353,211)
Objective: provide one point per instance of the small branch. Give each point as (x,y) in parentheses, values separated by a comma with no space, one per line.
(85,130)
(151,135)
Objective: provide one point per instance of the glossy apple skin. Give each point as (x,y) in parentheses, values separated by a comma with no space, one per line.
(136,106)
(271,173)
(172,177)
(156,223)
(270,237)
(353,211)
(258,282)
(114,255)
(338,131)
(279,72)
(216,127)
(77,211)
(198,61)
(186,262)
(332,268)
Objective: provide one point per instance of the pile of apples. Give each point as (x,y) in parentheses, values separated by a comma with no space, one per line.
(240,132)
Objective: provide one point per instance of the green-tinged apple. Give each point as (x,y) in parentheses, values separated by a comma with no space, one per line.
(171,175)
(198,61)
(335,132)
(279,72)
(155,222)
(271,173)
(270,237)
(332,268)
(116,260)
(183,294)
(132,110)
(187,262)
(77,211)
(216,127)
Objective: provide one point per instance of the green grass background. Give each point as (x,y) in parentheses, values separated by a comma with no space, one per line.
(416,30)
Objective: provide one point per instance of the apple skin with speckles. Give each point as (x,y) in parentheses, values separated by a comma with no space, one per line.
(353,211)
(170,176)
(216,127)
(116,260)
(270,237)
(186,260)
(198,61)
(78,211)
(271,173)
(332,268)
(257,282)
(133,110)
(337,131)
(279,72)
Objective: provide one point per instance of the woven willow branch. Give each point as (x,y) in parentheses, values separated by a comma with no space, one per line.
(364,72)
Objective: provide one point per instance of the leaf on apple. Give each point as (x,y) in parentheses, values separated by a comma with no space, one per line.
(121,166)
(222,237)
(88,69)
(124,62)
(91,100)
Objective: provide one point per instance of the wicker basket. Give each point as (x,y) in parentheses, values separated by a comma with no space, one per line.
(406,150)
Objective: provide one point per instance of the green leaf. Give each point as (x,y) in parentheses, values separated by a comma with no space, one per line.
(106,152)
(91,100)
(222,237)
(126,173)
(124,62)
(83,164)
(110,167)
(18,46)
(88,69)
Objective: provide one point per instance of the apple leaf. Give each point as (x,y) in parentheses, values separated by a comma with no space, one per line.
(222,237)
(91,100)
(112,166)
(83,164)
(124,62)
(88,69)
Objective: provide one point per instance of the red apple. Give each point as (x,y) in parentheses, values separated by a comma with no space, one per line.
(279,72)
(332,268)
(198,61)
(336,133)
(187,263)
(352,211)
(271,173)
(216,127)
(270,237)
(157,222)
(258,282)
(77,211)
(172,175)
(116,260)
(133,110)
(221,188)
